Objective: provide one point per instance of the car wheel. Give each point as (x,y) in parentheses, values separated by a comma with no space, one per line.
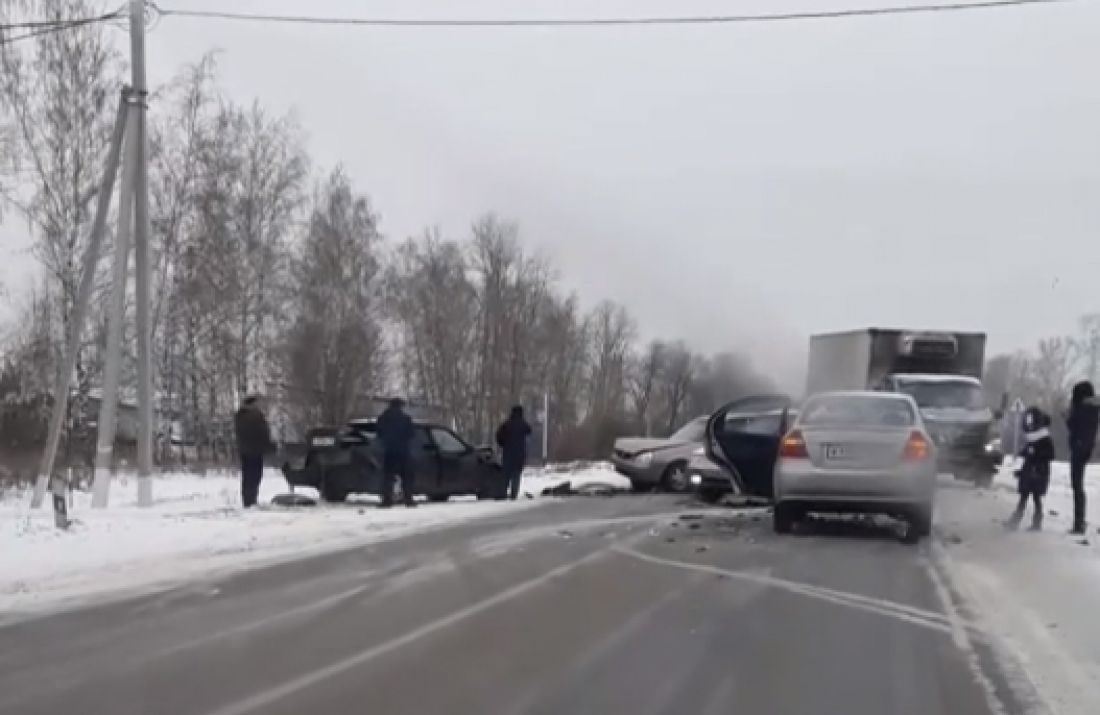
(334,495)
(710,496)
(783,518)
(438,497)
(675,479)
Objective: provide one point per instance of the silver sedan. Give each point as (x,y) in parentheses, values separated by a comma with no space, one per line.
(857,452)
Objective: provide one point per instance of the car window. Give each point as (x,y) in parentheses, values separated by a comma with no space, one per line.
(766,424)
(447,442)
(694,431)
(852,411)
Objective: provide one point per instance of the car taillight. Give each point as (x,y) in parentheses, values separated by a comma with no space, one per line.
(917,448)
(793,446)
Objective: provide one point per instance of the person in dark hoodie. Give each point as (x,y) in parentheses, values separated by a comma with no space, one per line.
(1033,477)
(512,439)
(395,431)
(253,442)
(1084,416)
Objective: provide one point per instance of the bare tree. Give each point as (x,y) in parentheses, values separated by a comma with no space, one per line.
(59,92)
(676,383)
(644,372)
(334,346)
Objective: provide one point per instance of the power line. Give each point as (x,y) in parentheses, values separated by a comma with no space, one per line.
(602,22)
(37,28)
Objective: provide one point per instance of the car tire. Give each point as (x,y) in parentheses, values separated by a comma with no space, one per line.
(710,496)
(675,478)
(334,495)
(918,523)
(783,518)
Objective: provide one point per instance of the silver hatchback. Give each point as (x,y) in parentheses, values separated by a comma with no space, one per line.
(857,452)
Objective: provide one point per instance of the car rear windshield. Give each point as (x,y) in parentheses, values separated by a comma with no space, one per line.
(855,411)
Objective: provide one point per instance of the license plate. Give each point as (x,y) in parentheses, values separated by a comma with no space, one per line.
(836,451)
(324,441)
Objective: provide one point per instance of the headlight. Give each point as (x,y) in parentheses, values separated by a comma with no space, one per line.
(644,458)
(700,452)
(696,479)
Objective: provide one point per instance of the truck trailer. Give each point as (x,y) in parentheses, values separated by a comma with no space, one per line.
(941,370)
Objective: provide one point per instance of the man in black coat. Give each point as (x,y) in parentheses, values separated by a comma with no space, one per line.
(253,442)
(1084,416)
(395,430)
(512,439)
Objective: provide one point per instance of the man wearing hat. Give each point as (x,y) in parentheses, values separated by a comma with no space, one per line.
(253,442)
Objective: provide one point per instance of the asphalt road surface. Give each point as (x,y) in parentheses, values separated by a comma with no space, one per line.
(632,604)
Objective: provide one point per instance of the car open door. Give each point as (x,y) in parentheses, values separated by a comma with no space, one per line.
(459,468)
(744,435)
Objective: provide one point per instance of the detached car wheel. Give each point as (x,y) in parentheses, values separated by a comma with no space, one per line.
(783,518)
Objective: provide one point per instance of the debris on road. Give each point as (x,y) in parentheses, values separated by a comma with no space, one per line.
(701,549)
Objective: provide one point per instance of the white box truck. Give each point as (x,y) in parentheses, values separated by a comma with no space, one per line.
(941,370)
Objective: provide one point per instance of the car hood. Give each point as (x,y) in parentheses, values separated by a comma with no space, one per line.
(634,445)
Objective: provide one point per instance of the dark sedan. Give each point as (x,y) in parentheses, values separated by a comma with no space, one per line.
(339,462)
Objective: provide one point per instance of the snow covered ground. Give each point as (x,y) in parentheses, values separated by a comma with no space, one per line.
(1036,594)
(195,529)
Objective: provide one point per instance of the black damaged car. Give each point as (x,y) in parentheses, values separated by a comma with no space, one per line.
(344,461)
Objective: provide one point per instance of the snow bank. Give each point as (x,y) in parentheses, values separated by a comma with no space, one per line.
(1035,593)
(195,529)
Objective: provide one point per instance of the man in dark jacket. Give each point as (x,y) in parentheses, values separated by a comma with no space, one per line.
(1084,416)
(395,430)
(253,442)
(512,439)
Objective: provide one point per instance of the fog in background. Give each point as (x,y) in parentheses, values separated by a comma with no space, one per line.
(736,186)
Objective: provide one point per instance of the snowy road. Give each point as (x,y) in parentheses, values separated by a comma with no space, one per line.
(587,605)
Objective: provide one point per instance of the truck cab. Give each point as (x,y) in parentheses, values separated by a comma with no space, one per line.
(957,417)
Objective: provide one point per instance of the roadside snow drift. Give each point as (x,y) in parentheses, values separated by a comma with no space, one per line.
(196,529)
(1036,594)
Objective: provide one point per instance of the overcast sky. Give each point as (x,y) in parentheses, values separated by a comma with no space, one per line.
(737,186)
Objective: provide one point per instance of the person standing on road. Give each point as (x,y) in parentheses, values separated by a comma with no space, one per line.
(395,430)
(512,439)
(1033,477)
(253,442)
(1084,416)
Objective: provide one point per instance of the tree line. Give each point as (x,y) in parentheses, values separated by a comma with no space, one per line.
(272,275)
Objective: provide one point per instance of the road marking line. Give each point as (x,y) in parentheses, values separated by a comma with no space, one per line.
(900,611)
(961,637)
(276,693)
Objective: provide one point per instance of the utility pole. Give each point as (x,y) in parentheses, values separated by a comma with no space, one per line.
(141,256)
(108,405)
(545,427)
(80,308)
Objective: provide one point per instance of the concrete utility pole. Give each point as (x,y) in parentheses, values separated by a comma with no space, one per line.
(108,405)
(141,257)
(80,307)
(545,427)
